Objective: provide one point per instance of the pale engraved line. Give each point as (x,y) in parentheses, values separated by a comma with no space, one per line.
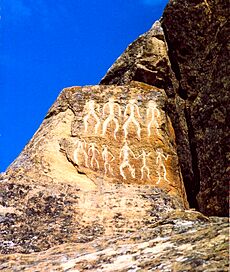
(131,119)
(152,112)
(160,161)
(93,150)
(144,156)
(80,148)
(90,107)
(112,109)
(107,161)
(125,152)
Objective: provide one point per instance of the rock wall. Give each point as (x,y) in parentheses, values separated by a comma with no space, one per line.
(186,54)
(198,41)
(146,60)
(100,134)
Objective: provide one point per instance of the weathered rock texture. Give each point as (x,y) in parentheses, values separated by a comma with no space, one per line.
(146,60)
(197,33)
(99,187)
(100,134)
(187,55)
(118,227)
(175,241)
(35,215)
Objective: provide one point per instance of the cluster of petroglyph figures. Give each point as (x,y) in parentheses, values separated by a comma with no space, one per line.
(96,157)
(113,110)
(89,156)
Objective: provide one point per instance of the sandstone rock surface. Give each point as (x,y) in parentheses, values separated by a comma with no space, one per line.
(98,134)
(100,186)
(147,60)
(177,241)
(187,54)
(119,227)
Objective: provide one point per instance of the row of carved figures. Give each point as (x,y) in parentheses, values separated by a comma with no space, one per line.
(90,154)
(114,110)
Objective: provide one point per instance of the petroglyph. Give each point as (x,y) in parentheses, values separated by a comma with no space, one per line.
(160,162)
(144,167)
(152,113)
(105,153)
(80,150)
(90,109)
(107,157)
(130,111)
(112,107)
(125,152)
(93,153)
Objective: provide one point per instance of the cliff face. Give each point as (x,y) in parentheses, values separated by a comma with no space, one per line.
(187,54)
(197,36)
(106,182)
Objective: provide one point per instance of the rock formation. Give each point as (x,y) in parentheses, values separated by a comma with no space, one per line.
(197,36)
(101,134)
(189,60)
(106,182)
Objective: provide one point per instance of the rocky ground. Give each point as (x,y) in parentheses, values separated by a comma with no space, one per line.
(115,228)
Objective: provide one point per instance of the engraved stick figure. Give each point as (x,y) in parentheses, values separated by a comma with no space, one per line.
(131,117)
(153,113)
(93,150)
(81,145)
(106,154)
(144,155)
(111,105)
(90,107)
(160,161)
(125,151)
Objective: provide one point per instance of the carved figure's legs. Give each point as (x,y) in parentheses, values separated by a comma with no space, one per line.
(93,159)
(131,169)
(142,172)
(86,118)
(105,125)
(126,126)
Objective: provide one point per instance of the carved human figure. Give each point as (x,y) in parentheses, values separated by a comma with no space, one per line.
(93,153)
(90,108)
(107,157)
(129,114)
(160,162)
(125,152)
(80,150)
(152,113)
(112,107)
(144,167)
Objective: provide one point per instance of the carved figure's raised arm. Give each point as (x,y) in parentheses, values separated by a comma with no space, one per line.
(132,153)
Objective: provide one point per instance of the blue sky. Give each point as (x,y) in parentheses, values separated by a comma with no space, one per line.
(46,45)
